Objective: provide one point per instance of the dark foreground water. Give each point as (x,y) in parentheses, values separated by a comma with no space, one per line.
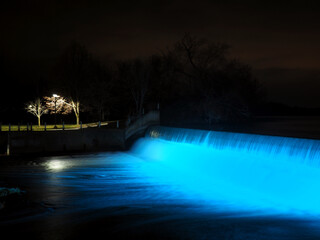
(141,194)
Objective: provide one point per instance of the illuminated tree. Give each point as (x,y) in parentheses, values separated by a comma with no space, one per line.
(75,105)
(57,105)
(36,108)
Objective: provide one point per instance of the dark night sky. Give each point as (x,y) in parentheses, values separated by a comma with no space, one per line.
(279,39)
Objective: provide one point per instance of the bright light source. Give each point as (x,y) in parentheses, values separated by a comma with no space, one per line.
(55,95)
(56,165)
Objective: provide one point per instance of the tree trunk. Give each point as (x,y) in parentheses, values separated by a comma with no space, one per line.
(76,109)
(78,112)
(102,115)
(39,122)
(78,119)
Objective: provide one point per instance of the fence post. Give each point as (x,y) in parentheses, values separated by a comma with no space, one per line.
(45,126)
(9,127)
(118,124)
(31,127)
(158,106)
(62,125)
(8,144)
(99,124)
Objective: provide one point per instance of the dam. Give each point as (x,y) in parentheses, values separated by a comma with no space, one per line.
(172,184)
(250,171)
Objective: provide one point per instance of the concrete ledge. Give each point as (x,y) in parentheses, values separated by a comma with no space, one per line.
(66,141)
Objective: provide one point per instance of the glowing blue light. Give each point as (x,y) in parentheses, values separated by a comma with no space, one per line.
(241,171)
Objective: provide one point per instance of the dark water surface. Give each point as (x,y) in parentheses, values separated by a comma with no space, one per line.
(116,196)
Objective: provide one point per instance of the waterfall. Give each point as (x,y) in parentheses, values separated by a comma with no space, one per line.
(246,172)
(304,150)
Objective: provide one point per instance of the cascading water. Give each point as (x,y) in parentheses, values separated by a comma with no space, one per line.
(243,172)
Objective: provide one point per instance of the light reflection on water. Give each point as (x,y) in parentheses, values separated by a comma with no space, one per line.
(106,180)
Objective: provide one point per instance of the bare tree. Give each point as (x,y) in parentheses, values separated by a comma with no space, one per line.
(75,105)
(73,71)
(224,87)
(99,97)
(57,105)
(136,77)
(36,108)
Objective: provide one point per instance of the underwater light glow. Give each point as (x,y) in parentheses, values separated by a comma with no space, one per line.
(242,171)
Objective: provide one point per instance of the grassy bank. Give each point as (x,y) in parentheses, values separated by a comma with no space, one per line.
(52,127)
(5,128)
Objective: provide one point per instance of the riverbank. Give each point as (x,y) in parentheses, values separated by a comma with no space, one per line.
(42,143)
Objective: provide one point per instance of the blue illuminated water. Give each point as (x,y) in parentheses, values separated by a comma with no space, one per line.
(176,184)
(262,174)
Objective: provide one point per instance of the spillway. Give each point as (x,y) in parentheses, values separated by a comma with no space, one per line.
(243,172)
(173,184)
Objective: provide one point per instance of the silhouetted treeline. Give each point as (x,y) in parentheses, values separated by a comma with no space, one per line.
(209,86)
(280,109)
(193,82)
